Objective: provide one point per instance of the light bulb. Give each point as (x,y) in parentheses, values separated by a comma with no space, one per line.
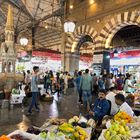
(71,6)
(91,1)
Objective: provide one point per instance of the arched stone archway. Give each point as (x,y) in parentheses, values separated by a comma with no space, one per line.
(72,48)
(80,31)
(113,26)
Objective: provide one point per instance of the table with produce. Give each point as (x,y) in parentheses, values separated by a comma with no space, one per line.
(76,128)
(121,127)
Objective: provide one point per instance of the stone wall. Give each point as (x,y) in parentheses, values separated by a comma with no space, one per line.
(101,21)
(105,17)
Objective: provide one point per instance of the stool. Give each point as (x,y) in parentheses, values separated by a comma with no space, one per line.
(5,104)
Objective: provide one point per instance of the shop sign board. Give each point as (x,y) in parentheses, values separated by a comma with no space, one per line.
(54,56)
(126,54)
(97,68)
(97,58)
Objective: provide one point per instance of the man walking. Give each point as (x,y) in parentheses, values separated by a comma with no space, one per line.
(34,90)
(86,86)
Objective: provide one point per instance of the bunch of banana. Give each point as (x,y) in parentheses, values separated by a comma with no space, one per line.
(65,127)
(80,134)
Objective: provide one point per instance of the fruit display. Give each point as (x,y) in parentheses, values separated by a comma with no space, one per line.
(91,123)
(123,116)
(43,135)
(66,128)
(53,121)
(56,129)
(74,119)
(57,121)
(118,131)
(33,130)
(73,133)
(81,121)
(18,137)
(51,136)
(4,137)
(15,91)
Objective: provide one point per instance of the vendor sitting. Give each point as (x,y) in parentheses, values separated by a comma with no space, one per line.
(123,106)
(100,108)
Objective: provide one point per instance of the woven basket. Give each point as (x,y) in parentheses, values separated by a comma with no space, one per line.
(47,99)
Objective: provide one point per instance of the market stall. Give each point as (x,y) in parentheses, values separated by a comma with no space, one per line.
(121,127)
(77,128)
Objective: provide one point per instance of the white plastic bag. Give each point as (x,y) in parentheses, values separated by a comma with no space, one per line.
(24,134)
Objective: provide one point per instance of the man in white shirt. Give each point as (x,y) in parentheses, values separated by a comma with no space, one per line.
(120,100)
(111,97)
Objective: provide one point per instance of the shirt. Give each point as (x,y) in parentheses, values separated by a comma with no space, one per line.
(86,82)
(101,108)
(78,79)
(101,84)
(34,82)
(27,78)
(112,81)
(111,97)
(126,86)
(126,108)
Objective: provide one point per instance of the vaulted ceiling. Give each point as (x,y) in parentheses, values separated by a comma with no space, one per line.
(44,15)
(128,36)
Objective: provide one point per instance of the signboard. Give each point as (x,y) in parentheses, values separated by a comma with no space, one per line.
(49,55)
(125,61)
(97,68)
(125,54)
(97,58)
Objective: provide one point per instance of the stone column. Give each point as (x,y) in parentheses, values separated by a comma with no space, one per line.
(72,62)
(63,51)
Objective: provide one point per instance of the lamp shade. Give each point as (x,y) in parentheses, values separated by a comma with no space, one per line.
(69,27)
(23,41)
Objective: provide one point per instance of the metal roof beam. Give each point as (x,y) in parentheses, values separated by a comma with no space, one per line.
(51,40)
(3,14)
(22,7)
(52,45)
(58,12)
(47,35)
(26,9)
(37,9)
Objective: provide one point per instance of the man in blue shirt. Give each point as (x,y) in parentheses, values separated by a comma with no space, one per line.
(101,107)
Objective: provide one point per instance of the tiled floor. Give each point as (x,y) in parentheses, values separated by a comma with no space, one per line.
(65,107)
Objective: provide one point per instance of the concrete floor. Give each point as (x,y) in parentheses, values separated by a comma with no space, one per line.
(64,107)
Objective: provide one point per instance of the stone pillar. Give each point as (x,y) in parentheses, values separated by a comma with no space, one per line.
(63,51)
(71,62)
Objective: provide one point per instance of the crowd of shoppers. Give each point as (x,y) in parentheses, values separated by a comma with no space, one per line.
(107,87)
(110,91)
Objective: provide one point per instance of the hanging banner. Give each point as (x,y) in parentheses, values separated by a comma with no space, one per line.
(21,54)
(48,55)
(87,59)
(126,54)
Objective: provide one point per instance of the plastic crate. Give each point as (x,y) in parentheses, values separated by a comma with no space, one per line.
(16,99)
